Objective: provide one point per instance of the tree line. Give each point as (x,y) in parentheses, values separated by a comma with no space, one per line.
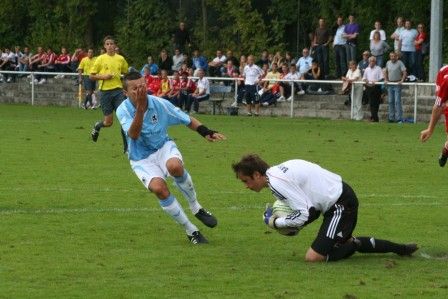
(144,27)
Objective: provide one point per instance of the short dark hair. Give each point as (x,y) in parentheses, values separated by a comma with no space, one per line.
(108,37)
(249,164)
(133,75)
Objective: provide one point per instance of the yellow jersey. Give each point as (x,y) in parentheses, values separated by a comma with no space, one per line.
(86,65)
(110,64)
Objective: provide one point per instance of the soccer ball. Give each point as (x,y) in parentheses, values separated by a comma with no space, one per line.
(281,209)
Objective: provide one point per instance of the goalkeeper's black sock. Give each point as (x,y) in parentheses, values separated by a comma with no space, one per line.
(125,141)
(98,125)
(370,244)
(342,251)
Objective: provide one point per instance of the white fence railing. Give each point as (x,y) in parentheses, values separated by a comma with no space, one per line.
(415,85)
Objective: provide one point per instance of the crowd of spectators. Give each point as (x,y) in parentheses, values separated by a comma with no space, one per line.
(169,74)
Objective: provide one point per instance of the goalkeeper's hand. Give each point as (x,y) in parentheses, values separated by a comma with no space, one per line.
(267,216)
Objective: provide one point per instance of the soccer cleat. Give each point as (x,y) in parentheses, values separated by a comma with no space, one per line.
(408,249)
(442,160)
(95,131)
(207,218)
(197,238)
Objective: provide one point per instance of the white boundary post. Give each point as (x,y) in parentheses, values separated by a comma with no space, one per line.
(292,100)
(415,102)
(32,89)
(352,93)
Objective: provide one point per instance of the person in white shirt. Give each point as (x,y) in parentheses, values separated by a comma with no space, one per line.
(304,63)
(214,66)
(287,88)
(339,45)
(252,74)
(396,35)
(378,28)
(353,75)
(178,59)
(407,47)
(202,93)
(373,74)
(310,190)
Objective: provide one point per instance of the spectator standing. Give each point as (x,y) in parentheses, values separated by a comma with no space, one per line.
(395,72)
(378,29)
(396,35)
(351,31)
(407,47)
(178,59)
(373,74)
(252,74)
(165,62)
(202,92)
(181,38)
(339,46)
(304,63)
(322,37)
(378,47)
(353,75)
(84,68)
(420,51)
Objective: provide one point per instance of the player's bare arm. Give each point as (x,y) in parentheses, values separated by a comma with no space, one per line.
(437,111)
(205,132)
(97,77)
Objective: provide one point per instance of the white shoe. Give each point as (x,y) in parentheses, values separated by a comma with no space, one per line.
(57,76)
(281,99)
(35,81)
(234,104)
(289,99)
(62,76)
(265,104)
(319,90)
(244,102)
(29,76)
(9,80)
(301,92)
(42,81)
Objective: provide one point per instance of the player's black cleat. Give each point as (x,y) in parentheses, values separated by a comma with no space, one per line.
(95,131)
(197,238)
(407,249)
(442,160)
(207,218)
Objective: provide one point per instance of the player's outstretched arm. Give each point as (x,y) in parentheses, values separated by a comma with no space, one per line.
(437,111)
(205,132)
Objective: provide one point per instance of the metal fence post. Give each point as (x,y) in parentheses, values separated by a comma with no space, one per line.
(32,89)
(352,94)
(415,102)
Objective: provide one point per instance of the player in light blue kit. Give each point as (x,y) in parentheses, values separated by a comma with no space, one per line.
(154,156)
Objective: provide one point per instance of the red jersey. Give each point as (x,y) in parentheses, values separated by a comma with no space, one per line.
(420,37)
(188,85)
(63,59)
(442,86)
(175,85)
(154,84)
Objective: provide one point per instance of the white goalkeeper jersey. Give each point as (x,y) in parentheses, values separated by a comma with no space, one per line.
(306,187)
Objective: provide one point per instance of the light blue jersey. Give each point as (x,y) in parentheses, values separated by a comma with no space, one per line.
(159,115)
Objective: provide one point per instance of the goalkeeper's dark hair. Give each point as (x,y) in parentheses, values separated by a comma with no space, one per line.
(132,75)
(249,164)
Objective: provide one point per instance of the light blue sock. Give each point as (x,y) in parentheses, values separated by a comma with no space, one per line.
(172,207)
(185,185)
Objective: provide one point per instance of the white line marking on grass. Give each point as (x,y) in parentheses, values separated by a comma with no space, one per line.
(429,257)
(141,210)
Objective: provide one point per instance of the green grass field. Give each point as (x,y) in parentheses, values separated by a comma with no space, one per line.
(75,222)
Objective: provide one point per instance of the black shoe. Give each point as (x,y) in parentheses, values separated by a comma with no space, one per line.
(408,249)
(95,131)
(207,218)
(442,160)
(197,238)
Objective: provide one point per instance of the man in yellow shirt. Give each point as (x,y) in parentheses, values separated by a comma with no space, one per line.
(84,71)
(107,69)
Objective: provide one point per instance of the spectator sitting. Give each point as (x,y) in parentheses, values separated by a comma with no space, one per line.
(304,63)
(165,62)
(153,84)
(314,75)
(152,66)
(228,69)
(215,65)
(187,60)
(76,58)
(364,63)
(199,62)
(202,92)
(17,55)
(284,71)
(178,59)
(278,58)
(243,62)
(187,87)
(24,60)
(354,74)
(46,65)
(7,63)
(292,75)
(174,94)
(164,85)
(263,59)
(148,78)
(36,59)
(378,29)
(271,89)
(62,62)
(230,56)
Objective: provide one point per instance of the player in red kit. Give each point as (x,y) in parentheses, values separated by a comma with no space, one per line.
(439,108)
